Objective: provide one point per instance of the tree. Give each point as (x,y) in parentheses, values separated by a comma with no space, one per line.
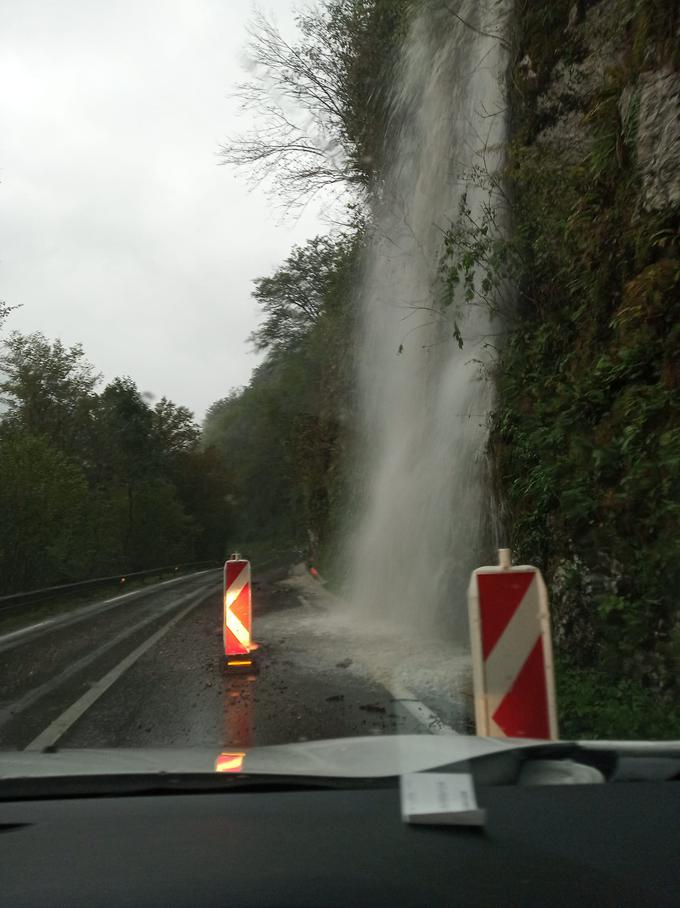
(174,427)
(321,104)
(4,311)
(43,526)
(161,530)
(47,387)
(281,435)
(198,475)
(293,298)
(128,453)
(202,479)
(218,418)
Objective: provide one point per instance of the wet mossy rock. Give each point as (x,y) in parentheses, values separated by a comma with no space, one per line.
(586,438)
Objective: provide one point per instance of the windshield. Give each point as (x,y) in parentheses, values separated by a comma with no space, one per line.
(305,316)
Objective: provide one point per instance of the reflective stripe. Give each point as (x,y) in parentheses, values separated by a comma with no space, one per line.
(237,629)
(237,585)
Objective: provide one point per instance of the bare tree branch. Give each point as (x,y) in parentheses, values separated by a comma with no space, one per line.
(299,143)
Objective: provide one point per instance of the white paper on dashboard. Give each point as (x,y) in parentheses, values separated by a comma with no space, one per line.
(438,797)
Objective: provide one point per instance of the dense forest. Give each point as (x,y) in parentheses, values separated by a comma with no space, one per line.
(584,442)
(97,482)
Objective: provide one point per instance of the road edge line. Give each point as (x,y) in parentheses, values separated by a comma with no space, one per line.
(416,708)
(56,729)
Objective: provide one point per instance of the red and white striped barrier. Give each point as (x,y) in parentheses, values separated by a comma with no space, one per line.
(237,611)
(512,662)
(230,761)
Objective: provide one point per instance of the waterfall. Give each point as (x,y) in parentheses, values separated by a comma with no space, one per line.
(423,404)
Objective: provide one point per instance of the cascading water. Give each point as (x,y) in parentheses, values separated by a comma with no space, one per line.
(422,400)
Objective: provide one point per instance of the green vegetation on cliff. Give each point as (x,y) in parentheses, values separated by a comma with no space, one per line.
(586,435)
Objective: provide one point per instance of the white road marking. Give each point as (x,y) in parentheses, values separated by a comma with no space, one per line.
(416,708)
(16,638)
(14,709)
(62,723)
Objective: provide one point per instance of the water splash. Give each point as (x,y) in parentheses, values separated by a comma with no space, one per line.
(423,404)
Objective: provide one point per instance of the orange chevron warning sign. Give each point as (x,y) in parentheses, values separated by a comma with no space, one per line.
(230,762)
(512,652)
(237,607)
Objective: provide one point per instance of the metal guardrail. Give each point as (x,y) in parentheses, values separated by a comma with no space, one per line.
(51,592)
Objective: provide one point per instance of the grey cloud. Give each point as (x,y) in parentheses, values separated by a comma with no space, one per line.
(118,229)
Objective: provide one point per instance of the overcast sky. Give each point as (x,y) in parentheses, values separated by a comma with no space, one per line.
(118,229)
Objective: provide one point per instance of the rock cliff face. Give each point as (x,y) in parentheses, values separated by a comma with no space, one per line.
(586,441)
(652,119)
(649,102)
(597,49)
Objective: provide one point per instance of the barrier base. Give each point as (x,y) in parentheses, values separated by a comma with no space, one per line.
(241,664)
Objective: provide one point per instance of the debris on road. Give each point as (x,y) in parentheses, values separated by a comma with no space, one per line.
(344,664)
(372,708)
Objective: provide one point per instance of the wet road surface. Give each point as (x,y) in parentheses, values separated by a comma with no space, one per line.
(150,671)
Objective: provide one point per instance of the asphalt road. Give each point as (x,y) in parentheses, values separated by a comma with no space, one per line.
(148,670)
